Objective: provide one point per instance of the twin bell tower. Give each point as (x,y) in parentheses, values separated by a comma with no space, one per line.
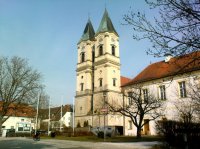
(97,75)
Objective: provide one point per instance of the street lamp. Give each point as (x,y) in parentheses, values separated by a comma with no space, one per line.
(105,110)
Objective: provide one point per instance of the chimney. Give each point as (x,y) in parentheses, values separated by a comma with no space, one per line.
(168,57)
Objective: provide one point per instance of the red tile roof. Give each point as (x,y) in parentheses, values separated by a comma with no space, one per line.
(21,110)
(176,65)
(124,80)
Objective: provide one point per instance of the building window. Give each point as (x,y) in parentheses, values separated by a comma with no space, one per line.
(113,50)
(93,56)
(130,98)
(82,84)
(93,86)
(182,90)
(145,95)
(100,50)
(81,108)
(93,53)
(82,57)
(114,81)
(130,126)
(100,82)
(162,92)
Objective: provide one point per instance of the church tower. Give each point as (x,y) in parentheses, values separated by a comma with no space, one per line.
(98,75)
(84,77)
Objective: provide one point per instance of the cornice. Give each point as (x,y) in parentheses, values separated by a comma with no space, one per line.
(106,61)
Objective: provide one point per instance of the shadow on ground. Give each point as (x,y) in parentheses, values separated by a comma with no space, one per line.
(30,144)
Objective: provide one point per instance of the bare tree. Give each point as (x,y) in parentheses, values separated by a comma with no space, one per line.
(44,100)
(175,30)
(193,103)
(138,107)
(19,83)
(187,104)
(186,111)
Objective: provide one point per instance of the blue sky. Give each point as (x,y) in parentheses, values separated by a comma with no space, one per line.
(46,33)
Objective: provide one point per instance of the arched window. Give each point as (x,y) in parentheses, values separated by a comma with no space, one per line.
(82,85)
(114,81)
(93,53)
(82,57)
(100,82)
(100,50)
(113,50)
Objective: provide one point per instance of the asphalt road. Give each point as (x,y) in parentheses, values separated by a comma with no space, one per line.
(26,143)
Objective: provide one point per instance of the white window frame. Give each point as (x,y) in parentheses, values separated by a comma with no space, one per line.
(182,89)
(130,125)
(130,102)
(162,92)
(145,93)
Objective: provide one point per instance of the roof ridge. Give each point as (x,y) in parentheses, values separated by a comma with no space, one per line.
(177,65)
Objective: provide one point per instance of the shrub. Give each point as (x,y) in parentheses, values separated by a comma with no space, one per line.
(53,134)
(100,134)
(78,125)
(179,134)
(83,133)
(85,124)
(22,134)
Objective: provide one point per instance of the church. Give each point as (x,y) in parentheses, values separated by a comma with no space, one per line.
(98,81)
(98,75)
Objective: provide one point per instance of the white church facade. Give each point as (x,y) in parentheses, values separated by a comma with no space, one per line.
(98,80)
(98,74)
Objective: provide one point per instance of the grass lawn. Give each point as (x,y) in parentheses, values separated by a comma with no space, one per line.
(108,139)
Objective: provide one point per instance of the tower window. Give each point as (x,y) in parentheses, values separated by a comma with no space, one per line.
(93,53)
(82,57)
(182,89)
(82,85)
(93,86)
(100,50)
(113,50)
(93,56)
(100,82)
(114,81)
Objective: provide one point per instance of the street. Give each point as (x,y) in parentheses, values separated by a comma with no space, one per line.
(27,143)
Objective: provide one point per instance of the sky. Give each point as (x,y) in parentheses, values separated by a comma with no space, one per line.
(46,33)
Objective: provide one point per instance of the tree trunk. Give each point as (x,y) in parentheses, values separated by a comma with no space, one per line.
(139,133)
